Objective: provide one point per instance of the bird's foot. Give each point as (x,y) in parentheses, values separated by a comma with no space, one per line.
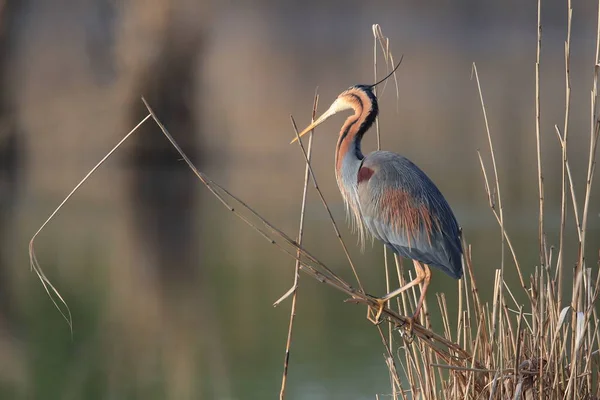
(376,320)
(406,330)
(408,327)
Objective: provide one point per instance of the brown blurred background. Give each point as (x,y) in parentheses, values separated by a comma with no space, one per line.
(171,294)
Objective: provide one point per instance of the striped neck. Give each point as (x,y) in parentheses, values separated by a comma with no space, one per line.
(348,155)
(364,104)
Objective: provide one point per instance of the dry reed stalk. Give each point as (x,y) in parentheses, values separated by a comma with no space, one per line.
(384,42)
(499,286)
(329,214)
(563,206)
(294,288)
(538,140)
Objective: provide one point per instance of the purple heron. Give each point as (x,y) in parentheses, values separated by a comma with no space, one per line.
(392,199)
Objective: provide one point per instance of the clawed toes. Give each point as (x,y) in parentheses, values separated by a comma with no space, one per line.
(406,330)
(377,311)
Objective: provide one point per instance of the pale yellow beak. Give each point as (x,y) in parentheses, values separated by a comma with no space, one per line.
(337,106)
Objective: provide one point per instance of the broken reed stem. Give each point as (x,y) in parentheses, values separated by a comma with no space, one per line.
(498,211)
(541,236)
(288,344)
(563,207)
(542,251)
(497,316)
(571,185)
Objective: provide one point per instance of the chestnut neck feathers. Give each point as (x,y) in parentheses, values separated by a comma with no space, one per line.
(364,103)
(348,154)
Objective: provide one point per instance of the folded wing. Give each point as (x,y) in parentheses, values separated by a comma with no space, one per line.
(402,207)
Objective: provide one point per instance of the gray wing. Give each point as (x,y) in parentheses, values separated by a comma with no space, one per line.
(402,207)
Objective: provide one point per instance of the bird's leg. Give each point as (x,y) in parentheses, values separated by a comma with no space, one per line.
(382,300)
(426,279)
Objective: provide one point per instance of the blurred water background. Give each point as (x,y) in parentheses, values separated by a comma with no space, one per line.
(171,294)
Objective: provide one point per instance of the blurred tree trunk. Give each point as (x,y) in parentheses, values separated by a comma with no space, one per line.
(164,194)
(11,147)
(12,368)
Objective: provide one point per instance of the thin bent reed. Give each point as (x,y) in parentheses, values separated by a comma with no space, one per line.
(33,261)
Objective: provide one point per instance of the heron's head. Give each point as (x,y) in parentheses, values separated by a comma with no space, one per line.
(353,98)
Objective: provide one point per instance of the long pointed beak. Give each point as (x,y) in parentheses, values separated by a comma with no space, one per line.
(331,111)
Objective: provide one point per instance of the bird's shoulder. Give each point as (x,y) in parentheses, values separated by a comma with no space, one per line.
(392,170)
(381,158)
(390,182)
